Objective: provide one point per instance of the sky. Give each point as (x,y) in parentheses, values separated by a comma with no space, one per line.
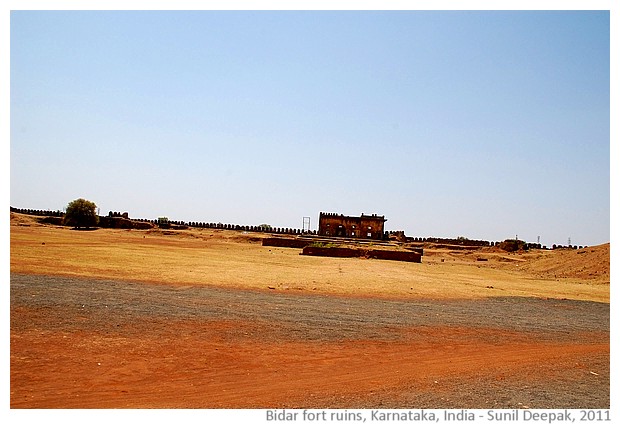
(483,124)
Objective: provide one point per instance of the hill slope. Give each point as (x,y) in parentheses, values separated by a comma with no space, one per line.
(590,263)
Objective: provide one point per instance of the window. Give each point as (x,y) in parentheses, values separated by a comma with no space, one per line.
(369,235)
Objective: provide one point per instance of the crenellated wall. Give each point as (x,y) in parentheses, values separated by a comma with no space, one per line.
(32,212)
(53,215)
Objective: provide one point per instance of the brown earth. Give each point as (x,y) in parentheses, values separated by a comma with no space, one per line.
(208,319)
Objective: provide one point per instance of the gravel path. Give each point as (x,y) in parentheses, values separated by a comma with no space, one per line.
(312,317)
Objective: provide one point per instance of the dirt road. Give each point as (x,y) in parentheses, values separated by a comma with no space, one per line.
(83,343)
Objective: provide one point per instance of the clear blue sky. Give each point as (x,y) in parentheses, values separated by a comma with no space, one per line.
(479,124)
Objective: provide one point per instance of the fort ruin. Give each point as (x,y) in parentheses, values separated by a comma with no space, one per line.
(361,227)
(350,227)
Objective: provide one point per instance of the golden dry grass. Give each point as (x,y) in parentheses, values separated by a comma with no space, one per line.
(207,257)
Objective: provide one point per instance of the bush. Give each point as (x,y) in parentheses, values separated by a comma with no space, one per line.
(81,213)
(323,244)
(513,245)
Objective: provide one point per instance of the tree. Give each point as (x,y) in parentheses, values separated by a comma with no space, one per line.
(81,213)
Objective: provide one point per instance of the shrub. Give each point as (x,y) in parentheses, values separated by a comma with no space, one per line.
(513,245)
(81,213)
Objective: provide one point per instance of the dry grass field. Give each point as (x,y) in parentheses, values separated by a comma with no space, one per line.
(238,260)
(206,318)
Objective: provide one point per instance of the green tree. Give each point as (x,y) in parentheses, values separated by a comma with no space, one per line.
(81,213)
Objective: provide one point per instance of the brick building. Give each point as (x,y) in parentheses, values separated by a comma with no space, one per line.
(364,226)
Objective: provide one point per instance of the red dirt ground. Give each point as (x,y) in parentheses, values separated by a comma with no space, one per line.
(190,367)
(67,355)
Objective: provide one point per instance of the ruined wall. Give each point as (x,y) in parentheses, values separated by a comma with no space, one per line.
(334,252)
(452,241)
(395,255)
(345,252)
(362,227)
(51,220)
(123,222)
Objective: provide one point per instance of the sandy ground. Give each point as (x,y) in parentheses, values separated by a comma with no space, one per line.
(237,260)
(80,340)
